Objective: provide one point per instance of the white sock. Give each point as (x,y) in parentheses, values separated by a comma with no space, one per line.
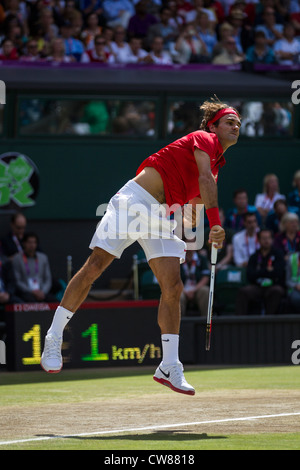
(170,344)
(61,317)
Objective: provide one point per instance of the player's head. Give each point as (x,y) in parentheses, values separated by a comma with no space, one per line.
(221,119)
(212,110)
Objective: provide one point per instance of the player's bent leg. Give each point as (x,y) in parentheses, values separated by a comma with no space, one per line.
(76,292)
(170,370)
(80,285)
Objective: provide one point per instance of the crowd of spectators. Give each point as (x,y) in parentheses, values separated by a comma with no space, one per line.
(262,239)
(151,31)
(25,274)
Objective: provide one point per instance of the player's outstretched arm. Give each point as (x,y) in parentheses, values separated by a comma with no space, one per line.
(209,196)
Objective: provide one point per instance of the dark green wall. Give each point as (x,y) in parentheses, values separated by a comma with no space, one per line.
(77,176)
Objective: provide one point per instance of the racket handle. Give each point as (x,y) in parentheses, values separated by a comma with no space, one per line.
(208,333)
(214,253)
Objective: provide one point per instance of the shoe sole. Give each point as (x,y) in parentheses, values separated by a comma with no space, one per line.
(50,371)
(175,389)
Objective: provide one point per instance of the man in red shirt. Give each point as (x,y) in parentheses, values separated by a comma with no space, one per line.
(183,171)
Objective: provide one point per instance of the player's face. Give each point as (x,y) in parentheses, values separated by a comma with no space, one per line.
(228,130)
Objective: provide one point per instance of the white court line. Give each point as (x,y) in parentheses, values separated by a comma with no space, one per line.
(145,428)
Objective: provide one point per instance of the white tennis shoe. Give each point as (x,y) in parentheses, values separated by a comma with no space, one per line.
(172,376)
(51,360)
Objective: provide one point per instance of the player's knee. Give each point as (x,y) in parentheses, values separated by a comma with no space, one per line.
(94,268)
(172,289)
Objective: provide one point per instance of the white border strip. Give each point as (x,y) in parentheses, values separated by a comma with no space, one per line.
(145,428)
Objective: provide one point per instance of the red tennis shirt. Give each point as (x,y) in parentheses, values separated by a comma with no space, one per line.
(177,166)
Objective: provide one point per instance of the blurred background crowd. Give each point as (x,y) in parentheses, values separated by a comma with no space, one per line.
(151,31)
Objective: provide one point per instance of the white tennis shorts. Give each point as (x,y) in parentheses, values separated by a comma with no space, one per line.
(134,215)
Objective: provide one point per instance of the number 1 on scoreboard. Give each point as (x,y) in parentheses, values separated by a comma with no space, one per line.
(35,335)
(92,331)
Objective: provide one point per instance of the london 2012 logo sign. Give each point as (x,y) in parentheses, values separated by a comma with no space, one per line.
(19,181)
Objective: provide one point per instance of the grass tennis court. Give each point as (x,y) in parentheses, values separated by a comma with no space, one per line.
(124,409)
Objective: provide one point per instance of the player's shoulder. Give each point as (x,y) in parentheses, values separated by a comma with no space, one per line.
(209,136)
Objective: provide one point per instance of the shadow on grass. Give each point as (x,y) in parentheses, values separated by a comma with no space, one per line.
(176,435)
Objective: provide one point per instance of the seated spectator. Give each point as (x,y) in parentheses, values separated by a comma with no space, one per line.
(247,9)
(217,7)
(266,277)
(274,217)
(245,242)
(293,281)
(287,49)
(8,51)
(293,198)
(189,47)
(260,52)
(234,216)
(134,55)
(91,30)
(225,254)
(230,54)
(67,12)
(295,20)
(195,278)
(108,34)
(118,12)
(77,25)
(206,31)
(273,31)
(12,242)
(288,239)
(264,202)
(158,54)
(99,53)
(193,15)
(32,272)
(57,52)
(32,53)
(91,6)
(165,29)
(184,7)
(176,21)
(142,20)
(153,6)
(16,34)
(73,47)
(7,283)
(243,34)
(224,31)
(48,30)
(119,42)
(18,9)
(261,7)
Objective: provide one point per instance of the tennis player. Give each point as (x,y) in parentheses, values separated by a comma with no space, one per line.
(183,171)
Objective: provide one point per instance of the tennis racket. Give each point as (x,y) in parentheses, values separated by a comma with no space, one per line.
(214,253)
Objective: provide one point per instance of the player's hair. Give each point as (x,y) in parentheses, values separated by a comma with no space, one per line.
(210,109)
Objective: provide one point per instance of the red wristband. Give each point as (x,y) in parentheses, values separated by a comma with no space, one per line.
(213,216)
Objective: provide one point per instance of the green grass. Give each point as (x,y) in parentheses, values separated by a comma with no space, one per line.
(94,385)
